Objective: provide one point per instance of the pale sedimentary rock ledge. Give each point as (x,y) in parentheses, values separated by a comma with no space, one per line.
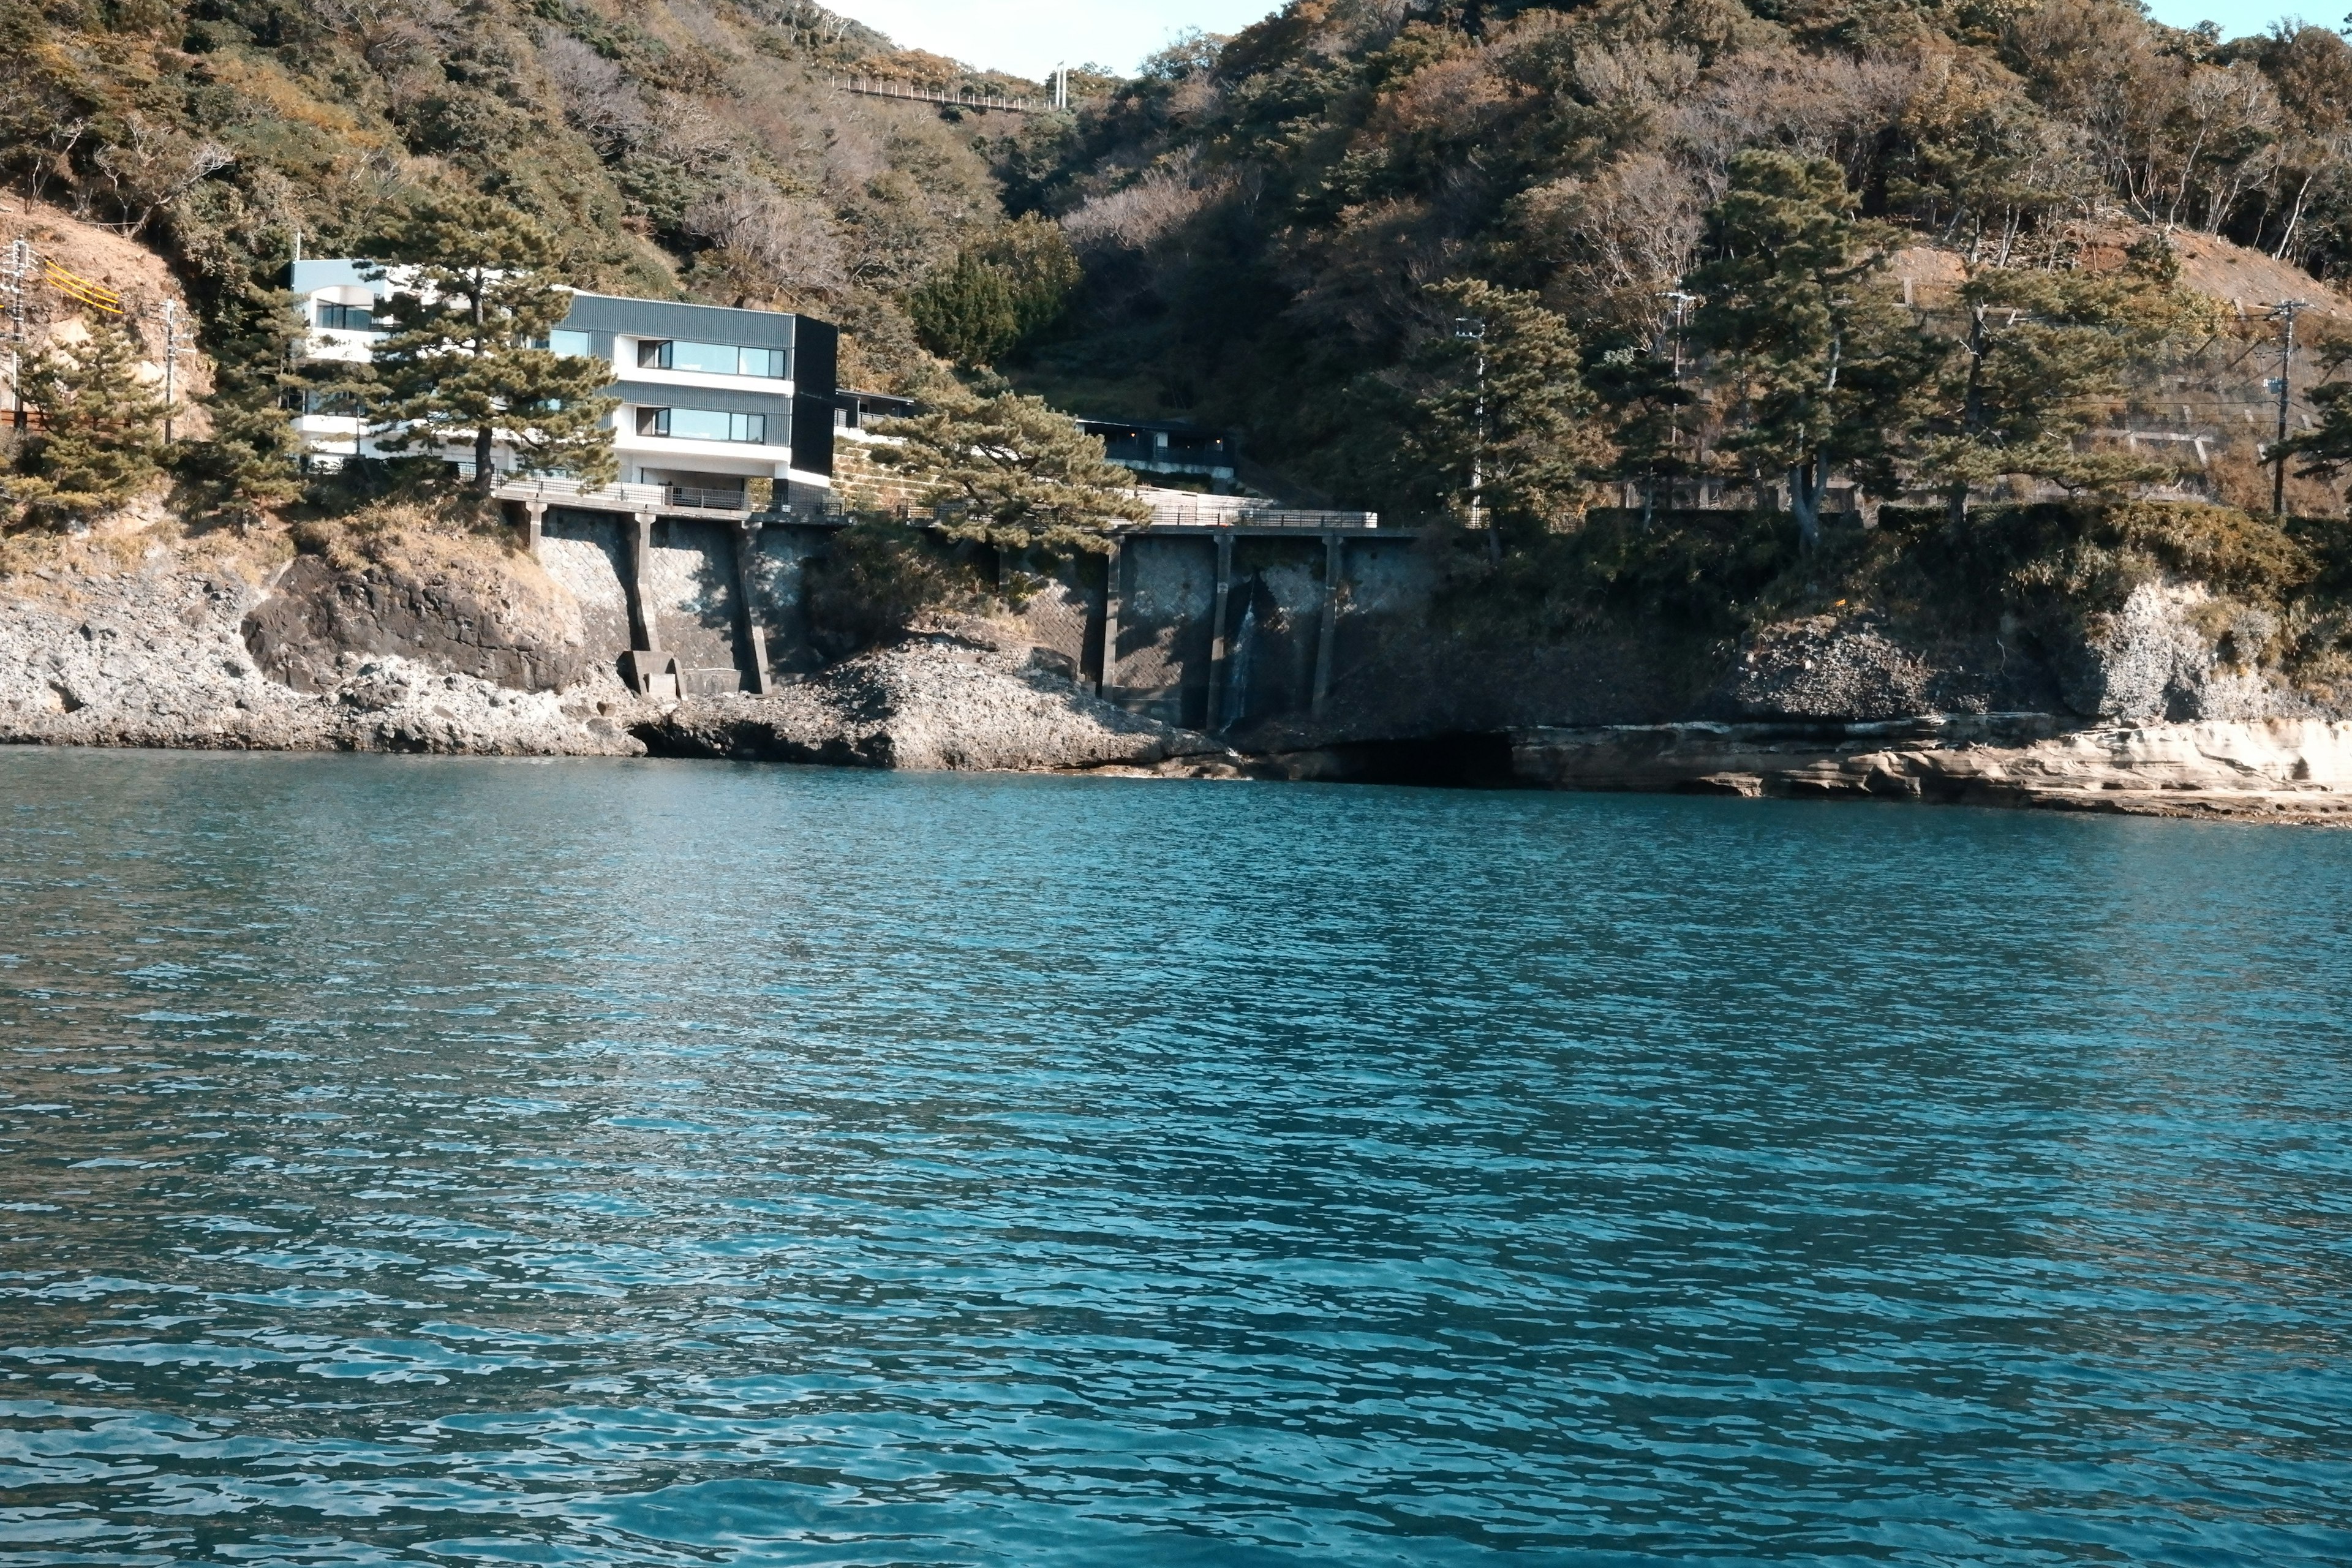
(2270,769)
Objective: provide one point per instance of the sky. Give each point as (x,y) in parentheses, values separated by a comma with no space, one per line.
(1028,36)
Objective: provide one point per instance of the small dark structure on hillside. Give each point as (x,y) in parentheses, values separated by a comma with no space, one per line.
(1174,447)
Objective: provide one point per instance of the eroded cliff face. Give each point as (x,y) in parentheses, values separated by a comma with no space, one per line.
(147,647)
(2164,704)
(2171,653)
(219,644)
(503,622)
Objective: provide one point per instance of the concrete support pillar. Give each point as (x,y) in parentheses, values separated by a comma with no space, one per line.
(643,631)
(534,524)
(1327,632)
(755,636)
(1217,651)
(1109,681)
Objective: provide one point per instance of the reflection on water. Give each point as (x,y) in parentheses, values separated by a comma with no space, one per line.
(413,1160)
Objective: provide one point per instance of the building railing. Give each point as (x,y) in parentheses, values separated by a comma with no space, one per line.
(1211,514)
(701,497)
(556,489)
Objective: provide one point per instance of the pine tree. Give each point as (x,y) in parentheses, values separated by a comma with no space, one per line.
(966,313)
(1820,362)
(248,460)
(1007,286)
(1507,404)
(96,447)
(465,359)
(1012,472)
(1648,407)
(2034,358)
(1038,267)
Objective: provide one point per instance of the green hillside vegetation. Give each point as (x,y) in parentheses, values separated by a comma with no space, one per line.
(675,152)
(1264,220)
(1508,264)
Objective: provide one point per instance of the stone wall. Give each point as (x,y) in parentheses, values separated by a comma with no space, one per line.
(696,609)
(586,554)
(1168,595)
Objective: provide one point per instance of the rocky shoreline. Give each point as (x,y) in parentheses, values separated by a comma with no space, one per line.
(2285,770)
(158,654)
(169,650)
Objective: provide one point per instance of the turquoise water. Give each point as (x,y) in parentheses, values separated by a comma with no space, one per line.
(461,1162)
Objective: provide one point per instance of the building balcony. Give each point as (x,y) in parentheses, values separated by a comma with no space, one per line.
(670,451)
(647,376)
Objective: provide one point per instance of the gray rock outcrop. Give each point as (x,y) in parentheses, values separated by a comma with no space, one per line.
(162,653)
(969,698)
(2157,658)
(155,655)
(2276,769)
(511,628)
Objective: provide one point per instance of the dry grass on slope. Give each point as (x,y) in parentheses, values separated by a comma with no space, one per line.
(112,260)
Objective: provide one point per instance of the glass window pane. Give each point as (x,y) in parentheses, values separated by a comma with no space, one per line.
(767,363)
(747,427)
(697,425)
(572,343)
(652,421)
(653,355)
(713,358)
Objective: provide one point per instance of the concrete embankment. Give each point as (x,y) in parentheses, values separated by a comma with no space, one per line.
(461,645)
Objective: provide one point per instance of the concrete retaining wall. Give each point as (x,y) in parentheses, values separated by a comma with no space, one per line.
(586,553)
(696,611)
(1302,615)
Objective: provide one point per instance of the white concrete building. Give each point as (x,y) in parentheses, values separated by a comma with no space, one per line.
(712,398)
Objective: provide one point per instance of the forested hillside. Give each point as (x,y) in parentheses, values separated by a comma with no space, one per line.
(670,149)
(1262,221)
(1282,231)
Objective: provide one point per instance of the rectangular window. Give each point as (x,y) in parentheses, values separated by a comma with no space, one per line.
(713,358)
(769,364)
(702,425)
(346,318)
(573,345)
(340,405)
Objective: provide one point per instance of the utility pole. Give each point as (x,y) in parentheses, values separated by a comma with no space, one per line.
(2283,312)
(20,275)
(1472,329)
(1682,303)
(171,361)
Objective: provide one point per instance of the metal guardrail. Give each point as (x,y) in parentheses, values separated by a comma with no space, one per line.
(558,488)
(701,497)
(1320,521)
(960,98)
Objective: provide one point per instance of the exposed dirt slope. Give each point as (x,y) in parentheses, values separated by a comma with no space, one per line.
(115,261)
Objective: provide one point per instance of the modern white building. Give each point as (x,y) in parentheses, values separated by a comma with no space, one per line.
(712,398)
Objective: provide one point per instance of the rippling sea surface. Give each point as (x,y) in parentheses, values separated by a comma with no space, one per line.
(412,1161)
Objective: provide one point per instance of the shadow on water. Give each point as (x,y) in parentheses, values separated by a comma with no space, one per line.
(1462,760)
